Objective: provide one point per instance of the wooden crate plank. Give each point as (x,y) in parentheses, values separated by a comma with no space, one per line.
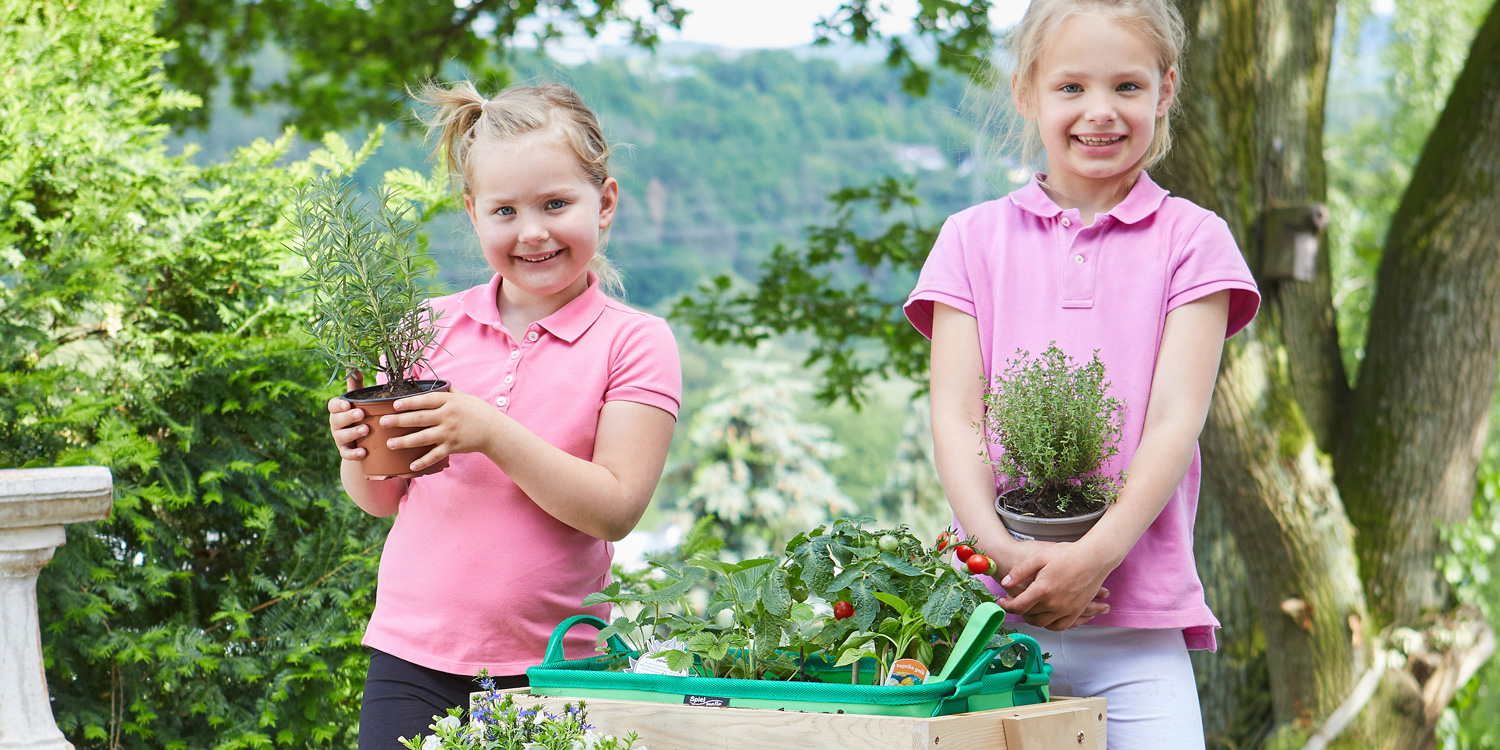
(1081,724)
(673,726)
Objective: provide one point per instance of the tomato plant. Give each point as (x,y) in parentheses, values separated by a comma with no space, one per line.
(891,596)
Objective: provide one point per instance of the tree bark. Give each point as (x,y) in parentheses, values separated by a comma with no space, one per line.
(1417,427)
(1288,443)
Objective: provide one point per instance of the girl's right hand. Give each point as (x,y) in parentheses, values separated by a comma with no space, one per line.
(343,422)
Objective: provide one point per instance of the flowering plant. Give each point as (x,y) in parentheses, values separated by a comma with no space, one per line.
(497,722)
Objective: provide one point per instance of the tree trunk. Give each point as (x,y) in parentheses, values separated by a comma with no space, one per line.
(1249,142)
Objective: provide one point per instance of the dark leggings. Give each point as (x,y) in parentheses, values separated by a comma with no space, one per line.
(401,698)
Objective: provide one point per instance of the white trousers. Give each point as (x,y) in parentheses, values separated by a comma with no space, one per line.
(1145,676)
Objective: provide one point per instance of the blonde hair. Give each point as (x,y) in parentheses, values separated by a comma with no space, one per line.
(461,118)
(1157,21)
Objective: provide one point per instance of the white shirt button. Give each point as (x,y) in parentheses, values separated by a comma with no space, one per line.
(502,401)
(515,354)
(1067,222)
(531,336)
(1078,259)
(509,378)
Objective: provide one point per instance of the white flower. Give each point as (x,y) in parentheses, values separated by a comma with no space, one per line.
(590,740)
(450,723)
(433,742)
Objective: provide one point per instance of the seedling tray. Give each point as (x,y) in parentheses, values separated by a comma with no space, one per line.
(986,682)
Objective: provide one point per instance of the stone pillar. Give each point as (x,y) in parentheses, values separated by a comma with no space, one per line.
(34,506)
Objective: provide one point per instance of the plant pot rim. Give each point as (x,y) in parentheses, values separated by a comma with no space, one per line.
(433,385)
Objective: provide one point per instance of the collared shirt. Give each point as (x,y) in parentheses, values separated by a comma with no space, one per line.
(474,574)
(1032,274)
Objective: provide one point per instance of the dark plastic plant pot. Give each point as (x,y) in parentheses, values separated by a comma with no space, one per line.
(381,462)
(1027,528)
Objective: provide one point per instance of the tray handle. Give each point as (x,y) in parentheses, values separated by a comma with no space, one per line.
(971,682)
(555,643)
(1033,664)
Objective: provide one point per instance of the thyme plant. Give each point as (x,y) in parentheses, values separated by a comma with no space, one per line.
(1058,427)
(369,312)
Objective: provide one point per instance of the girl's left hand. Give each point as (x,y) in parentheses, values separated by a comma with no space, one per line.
(1058,582)
(454,422)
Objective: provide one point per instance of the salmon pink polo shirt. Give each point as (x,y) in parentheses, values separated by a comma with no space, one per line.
(474,574)
(1031,273)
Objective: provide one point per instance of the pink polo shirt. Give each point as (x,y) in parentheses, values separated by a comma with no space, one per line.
(474,574)
(1030,273)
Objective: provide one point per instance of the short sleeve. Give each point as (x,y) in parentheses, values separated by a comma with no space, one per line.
(646,368)
(943,279)
(1210,262)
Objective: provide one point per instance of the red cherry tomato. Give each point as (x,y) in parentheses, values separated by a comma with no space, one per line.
(842,610)
(963,551)
(944,539)
(979,564)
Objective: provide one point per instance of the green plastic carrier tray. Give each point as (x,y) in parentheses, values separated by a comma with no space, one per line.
(986,684)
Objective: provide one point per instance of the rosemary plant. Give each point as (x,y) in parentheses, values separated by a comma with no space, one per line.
(364,267)
(1058,428)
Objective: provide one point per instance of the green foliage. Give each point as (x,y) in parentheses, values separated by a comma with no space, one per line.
(760,620)
(1058,428)
(960,31)
(147,328)
(498,723)
(370,312)
(756,470)
(803,291)
(351,60)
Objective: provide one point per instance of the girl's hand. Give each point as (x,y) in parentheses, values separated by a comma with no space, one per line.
(343,421)
(1057,587)
(1021,551)
(454,422)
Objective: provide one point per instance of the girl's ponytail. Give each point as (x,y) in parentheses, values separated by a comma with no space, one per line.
(452,113)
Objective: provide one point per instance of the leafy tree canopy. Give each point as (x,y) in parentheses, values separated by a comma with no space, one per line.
(351,59)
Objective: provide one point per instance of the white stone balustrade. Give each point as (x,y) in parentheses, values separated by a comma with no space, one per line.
(35,504)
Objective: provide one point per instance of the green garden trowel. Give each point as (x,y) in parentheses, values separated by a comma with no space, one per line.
(971,642)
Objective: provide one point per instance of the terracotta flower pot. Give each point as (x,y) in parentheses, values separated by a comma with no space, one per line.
(381,462)
(1026,528)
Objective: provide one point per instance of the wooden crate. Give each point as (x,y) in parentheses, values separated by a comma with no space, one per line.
(1063,724)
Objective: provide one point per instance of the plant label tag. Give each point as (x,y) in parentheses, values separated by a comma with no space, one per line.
(1018,536)
(907,672)
(657,664)
(705,700)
